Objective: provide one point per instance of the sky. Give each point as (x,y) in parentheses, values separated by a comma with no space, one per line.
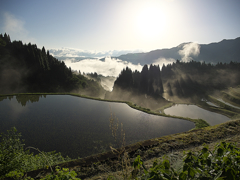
(119,25)
(100,28)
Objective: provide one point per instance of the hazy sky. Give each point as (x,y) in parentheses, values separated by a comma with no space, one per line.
(103,25)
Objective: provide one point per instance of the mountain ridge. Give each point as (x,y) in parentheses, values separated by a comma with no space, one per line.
(222,51)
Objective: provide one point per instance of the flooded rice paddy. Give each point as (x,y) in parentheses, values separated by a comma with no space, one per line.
(195,112)
(79,127)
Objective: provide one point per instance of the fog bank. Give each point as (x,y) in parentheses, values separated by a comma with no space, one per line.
(108,67)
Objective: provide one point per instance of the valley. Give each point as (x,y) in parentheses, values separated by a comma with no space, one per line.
(152,112)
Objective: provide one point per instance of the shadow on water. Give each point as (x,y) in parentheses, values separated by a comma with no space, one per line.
(79,127)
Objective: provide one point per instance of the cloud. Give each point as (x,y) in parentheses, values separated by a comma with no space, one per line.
(73,52)
(108,67)
(165,61)
(15,28)
(190,49)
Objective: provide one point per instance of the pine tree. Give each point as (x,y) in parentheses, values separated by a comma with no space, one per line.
(43,50)
(144,80)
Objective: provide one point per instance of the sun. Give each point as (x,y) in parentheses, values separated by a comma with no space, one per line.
(150,22)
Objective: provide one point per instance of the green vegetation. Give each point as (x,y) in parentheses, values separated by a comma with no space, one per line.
(232,96)
(223,105)
(221,163)
(200,123)
(61,174)
(165,107)
(15,160)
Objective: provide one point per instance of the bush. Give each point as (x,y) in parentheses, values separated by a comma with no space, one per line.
(221,164)
(15,161)
(12,153)
(61,174)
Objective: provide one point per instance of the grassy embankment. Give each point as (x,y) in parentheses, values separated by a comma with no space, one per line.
(231,96)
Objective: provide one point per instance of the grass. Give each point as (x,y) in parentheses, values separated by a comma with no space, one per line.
(231,98)
(223,105)
(225,109)
(165,107)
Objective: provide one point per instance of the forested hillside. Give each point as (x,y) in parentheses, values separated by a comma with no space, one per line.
(193,78)
(148,81)
(176,80)
(26,68)
(144,88)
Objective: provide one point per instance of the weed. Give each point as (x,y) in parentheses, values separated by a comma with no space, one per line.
(221,163)
(119,137)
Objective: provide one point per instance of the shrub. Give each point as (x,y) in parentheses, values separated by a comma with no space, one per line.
(15,161)
(12,153)
(221,164)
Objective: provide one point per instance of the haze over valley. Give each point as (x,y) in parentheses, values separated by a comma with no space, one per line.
(108,84)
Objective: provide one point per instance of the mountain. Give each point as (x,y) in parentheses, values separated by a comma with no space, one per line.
(223,51)
(26,68)
(65,53)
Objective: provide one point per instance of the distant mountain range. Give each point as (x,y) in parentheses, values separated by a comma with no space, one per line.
(80,54)
(223,51)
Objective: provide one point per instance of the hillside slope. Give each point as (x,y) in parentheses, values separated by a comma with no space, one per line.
(26,68)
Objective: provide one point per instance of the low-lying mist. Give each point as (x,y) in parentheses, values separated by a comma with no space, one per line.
(108,67)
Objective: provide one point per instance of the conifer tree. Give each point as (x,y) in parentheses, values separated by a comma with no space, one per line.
(144,80)
(43,50)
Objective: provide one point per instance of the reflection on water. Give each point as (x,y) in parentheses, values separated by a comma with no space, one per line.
(195,112)
(79,127)
(24,99)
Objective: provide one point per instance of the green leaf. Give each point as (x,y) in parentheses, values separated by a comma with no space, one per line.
(185,167)
(166,164)
(217,176)
(183,175)
(204,150)
(231,174)
(191,172)
(220,151)
(209,162)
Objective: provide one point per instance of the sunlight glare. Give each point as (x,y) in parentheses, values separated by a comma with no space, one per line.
(150,23)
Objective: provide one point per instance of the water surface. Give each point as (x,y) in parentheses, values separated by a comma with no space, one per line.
(79,127)
(195,112)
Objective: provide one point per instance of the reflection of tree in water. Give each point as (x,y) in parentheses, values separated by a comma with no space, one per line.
(23,99)
(5,97)
(2,98)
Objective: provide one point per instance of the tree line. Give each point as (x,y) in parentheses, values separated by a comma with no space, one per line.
(181,79)
(26,68)
(185,79)
(148,81)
